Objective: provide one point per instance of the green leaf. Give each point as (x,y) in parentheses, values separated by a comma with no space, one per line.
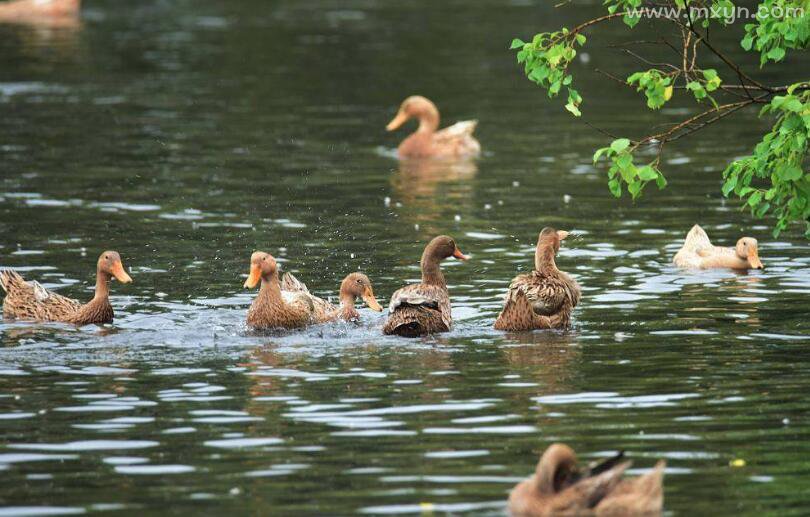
(791,173)
(599,152)
(776,53)
(647,173)
(620,145)
(581,39)
(573,109)
(517,43)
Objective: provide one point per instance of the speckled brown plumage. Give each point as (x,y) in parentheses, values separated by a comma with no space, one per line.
(544,298)
(31,301)
(424,308)
(559,487)
(355,285)
(270,309)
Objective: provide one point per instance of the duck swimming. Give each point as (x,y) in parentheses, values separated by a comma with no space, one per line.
(355,285)
(698,252)
(424,308)
(558,487)
(544,298)
(428,141)
(270,309)
(30,301)
(34,10)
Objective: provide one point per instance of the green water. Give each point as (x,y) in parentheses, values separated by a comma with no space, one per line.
(187,134)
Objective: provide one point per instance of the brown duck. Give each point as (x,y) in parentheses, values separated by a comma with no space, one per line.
(355,285)
(31,301)
(558,488)
(424,308)
(544,298)
(271,308)
(428,141)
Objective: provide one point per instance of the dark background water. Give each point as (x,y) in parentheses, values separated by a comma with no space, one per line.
(187,134)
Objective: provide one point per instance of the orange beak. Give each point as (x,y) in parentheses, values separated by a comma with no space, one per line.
(118,272)
(254,277)
(753,259)
(371,301)
(562,234)
(459,255)
(400,119)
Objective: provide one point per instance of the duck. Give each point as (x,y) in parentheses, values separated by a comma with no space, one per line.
(355,285)
(31,301)
(424,308)
(544,298)
(33,10)
(270,309)
(698,252)
(559,487)
(428,141)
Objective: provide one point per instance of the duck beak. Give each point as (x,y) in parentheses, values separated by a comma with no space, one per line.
(400,119)
(459,255)
(118,272)
(562,234)
(753,259)
(371,301)
(254,277)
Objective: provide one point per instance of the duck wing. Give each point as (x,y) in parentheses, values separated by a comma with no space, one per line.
(30,300)
(643,495)
(456,131)
(422,309)
(457,140)
(292,288)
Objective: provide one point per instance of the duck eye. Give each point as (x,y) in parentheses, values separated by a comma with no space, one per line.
(106,257)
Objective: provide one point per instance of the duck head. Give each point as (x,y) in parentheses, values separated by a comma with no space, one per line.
(417,107)
(443,247)
(554,468)
(110,263)
(747,250)
(262,266)
(357,285)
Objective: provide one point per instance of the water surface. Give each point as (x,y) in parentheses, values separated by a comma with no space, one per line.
(186,135)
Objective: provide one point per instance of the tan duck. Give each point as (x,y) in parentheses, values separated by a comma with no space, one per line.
(698,252)
(558,487)
(355,285)
(428,141)
(544,298)
(34,10)
(271,309)
(424,308)
(30,301)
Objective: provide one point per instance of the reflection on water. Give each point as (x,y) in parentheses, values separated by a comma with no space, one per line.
(187,140)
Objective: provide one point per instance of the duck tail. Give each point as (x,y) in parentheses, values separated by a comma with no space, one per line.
(290,283)
(8,277)
(697,239)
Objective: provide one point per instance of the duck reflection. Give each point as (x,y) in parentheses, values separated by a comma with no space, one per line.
(548,358)
(425,187)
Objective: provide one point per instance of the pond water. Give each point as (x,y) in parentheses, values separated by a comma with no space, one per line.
(187,134)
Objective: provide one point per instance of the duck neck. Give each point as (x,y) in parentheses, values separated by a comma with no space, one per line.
(544,259)
(347,301)
(431,270)
(270,292)
(428,121)
(347,310)
(102,286)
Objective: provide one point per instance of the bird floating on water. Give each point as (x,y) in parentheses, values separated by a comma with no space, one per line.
(428,141)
